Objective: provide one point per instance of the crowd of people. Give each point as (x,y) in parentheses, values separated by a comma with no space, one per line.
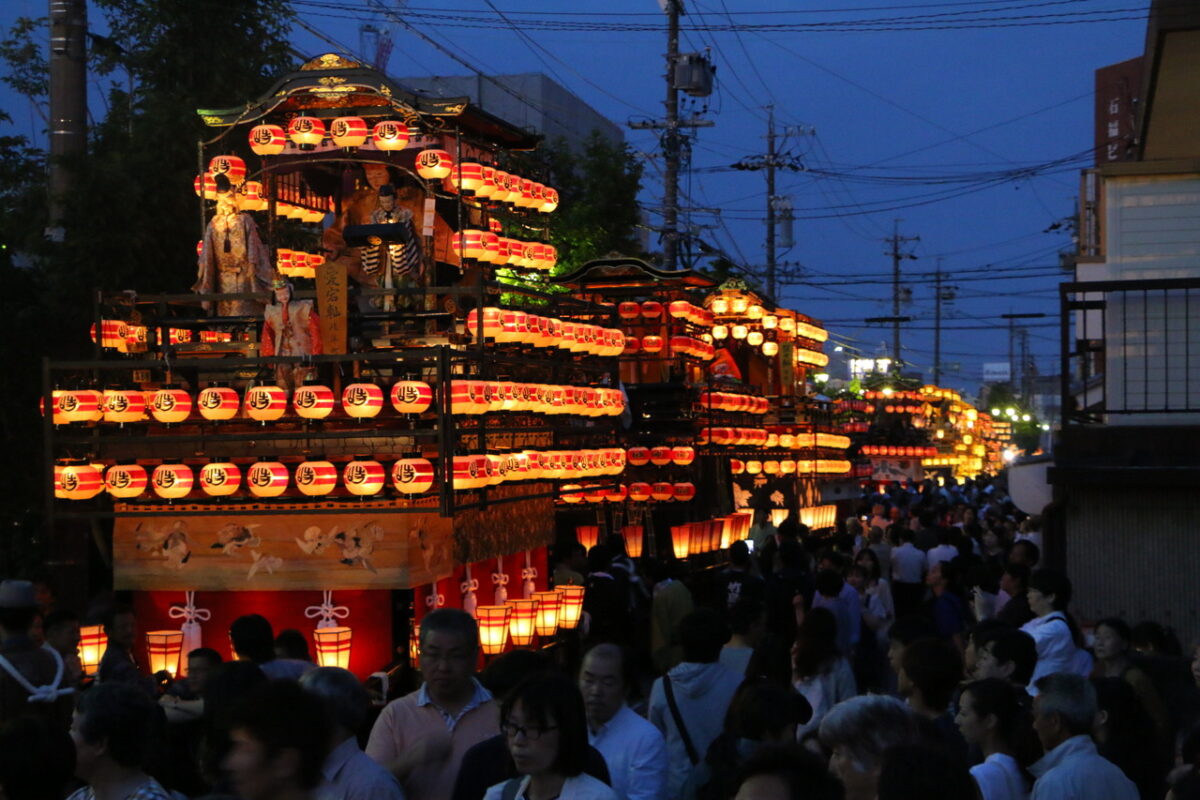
(920,651)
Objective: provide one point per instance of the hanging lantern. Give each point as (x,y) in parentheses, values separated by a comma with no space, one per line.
(265,403)
(512,189)
(306,132)
(547,612)
(770,348)
(333,646)
(754,467)
(739,331)
(629,311)
(348,132)
(364,477)
(652,344)
(662,491)
(316,478)
(362,400)
(220,478)
(754,338)
(267,140)
(162,651)
(487,185)
(253,198)
(267,479)
(313,401)
(93,642)
(218,402)
(493,628)
(77,481)
(172,481)
(571,493)
(681,540)
(124,405)
(412,475)
(434,164)
(616,494)
(771,467)
(720,332)
(521,621)
(79,405)
(549,200)
(125,480)
(467,176)
(231,167)
(470,472)
(660,456)
(588,535)
(634,536)
(787,467)
(171,404)
(683,492)
(411,397)
(570,607)
(639,492)
(683,455)
(736,466)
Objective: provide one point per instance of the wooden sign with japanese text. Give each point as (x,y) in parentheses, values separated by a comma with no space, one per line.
(332,299)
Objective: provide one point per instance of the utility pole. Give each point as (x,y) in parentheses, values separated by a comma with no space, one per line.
(896,240)
(68,104)
(941,295)
(1025,365)
(672,144)
(1012,318)
(771,201)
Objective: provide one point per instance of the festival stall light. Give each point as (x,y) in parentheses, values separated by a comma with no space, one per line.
(333,646)
(547,612)
(162,651)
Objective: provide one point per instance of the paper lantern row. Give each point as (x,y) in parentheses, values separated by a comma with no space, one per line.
(509,325)
(492,248)
(488,183)
(124,337)
(297,263)
(480,470)
(308,133)
(680,455)
(481,397)
(890,450)
(696,538)
(543,614)
(900,409)
(788,467)
(895,396)
(771,439)
(263,479)
(653,345)
(811,357)
(631,312)
(756,437)
(661,492)
(733,402)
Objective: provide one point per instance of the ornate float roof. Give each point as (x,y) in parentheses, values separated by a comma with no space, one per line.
(626,271)
(331,85)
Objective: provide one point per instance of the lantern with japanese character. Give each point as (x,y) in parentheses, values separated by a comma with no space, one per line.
(267,479)
(172,481)
(232,167)
(682,455)
(660,456)
(306,132)
(662,491)
(171,404)
(412,475)
(411,397)
(652,344)
(316,478)
(364,477)
(125,480)
(313,401)
(549,200)
(77,481)
(124,405)
(333,646)
(467,176)
(162,651)
(434,164)
(683,492)
(348,132)
(80,405)
(265,403)
(652,309)
(362,400)
(639,491)
(570,607)
(218,402)
(267,140)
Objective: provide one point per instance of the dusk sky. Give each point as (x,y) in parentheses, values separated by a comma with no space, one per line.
(969,121)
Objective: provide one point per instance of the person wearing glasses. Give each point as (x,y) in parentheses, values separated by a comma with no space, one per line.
(544,722)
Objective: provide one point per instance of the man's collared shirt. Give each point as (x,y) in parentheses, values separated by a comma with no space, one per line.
(636,755)
(480,697)
(1075,771)
(349,774)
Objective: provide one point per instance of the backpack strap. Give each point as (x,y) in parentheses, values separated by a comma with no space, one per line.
(683,731)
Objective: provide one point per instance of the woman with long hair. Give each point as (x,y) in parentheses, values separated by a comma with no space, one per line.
(992,717)
(544,723)
(819,672)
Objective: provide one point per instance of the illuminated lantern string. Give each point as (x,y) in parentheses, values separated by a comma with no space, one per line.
(662,491)
(218,403)
(412,475)
(660,456)
(390,135)
(316,478)
(232,167)
(434,164)
(220,478)
(267,140)
(126,480)
(639,492)
(306,132)
(364,477)
(549,200)
(348,131)
(684,492)
(411,397)
(683,456)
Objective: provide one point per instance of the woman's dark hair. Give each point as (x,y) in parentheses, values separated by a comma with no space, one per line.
(934,666)
(816,642)
(124,718)
(290,643)
(253,638)
(1158,638)
(874,571)
(552,699)
(1052,582)
(1129,737)
(283,716)
(920,772)
(1118,626)
(802,772)
(1014,721)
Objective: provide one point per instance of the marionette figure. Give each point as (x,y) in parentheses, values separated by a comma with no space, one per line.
(232,257)
(290,328)
(396,264)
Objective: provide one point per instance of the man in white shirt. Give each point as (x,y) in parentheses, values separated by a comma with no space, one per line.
(1063,713)
(943,552)
(634,749)
(908,575)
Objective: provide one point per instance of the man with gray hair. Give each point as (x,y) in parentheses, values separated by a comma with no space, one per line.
(348,773)
(857,732)
(1064,711)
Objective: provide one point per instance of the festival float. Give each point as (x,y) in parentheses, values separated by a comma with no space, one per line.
(352,419)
